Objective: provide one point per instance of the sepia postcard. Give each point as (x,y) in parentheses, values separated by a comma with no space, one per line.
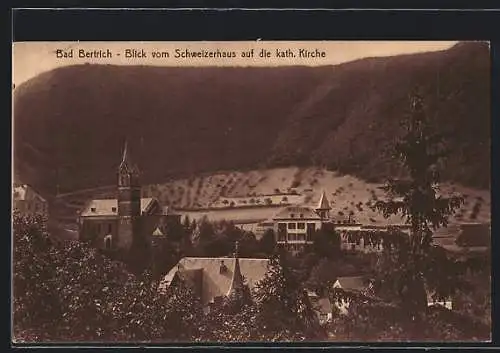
(251,191)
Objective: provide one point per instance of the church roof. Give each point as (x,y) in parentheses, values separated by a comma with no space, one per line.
(297,212)
(109,207)
(215,283)
(323,203)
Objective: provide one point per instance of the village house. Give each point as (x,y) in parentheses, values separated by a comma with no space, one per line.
(433,300)
(352,284)
(294,226)
(214,278)
(358,284)
(117,224)
(28,202)
(357,237)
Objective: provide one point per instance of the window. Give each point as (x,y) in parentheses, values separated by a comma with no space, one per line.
(301,225)
(113,209)
(92,209)
(301,215)
(292,215)
(292,225)
(110,227)
(107,242)
(301,237)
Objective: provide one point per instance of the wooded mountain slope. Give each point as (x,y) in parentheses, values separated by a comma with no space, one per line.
(70,123)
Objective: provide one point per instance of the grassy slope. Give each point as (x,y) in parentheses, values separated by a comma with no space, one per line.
(346,193)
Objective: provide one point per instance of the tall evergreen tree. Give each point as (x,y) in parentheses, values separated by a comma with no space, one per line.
(417,199)
(411,266)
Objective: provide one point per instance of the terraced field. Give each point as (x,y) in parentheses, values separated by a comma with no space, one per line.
(204,196)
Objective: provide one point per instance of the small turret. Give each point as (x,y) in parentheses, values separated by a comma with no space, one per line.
(323,209)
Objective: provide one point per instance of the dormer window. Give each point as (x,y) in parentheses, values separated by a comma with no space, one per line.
(92,209)
(222,268)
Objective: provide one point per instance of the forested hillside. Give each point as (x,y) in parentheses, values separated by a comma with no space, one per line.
(70,123)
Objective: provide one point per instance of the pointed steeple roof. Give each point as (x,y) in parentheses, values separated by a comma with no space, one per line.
(323,203)
(126,163)
(237,280)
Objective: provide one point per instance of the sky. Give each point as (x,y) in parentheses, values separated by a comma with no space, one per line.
(32,58)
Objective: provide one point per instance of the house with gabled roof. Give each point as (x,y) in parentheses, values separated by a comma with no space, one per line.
(349,284)
(295,225)
(215,278)
(28,202)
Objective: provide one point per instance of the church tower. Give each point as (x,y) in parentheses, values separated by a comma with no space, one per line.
(129,202)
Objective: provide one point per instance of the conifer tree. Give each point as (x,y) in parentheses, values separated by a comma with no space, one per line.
(411,266)
(418,200)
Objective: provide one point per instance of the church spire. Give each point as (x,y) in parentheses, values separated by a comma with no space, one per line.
(125,163)
(237,280)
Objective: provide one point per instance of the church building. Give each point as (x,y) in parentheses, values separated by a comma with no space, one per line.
(128,220)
